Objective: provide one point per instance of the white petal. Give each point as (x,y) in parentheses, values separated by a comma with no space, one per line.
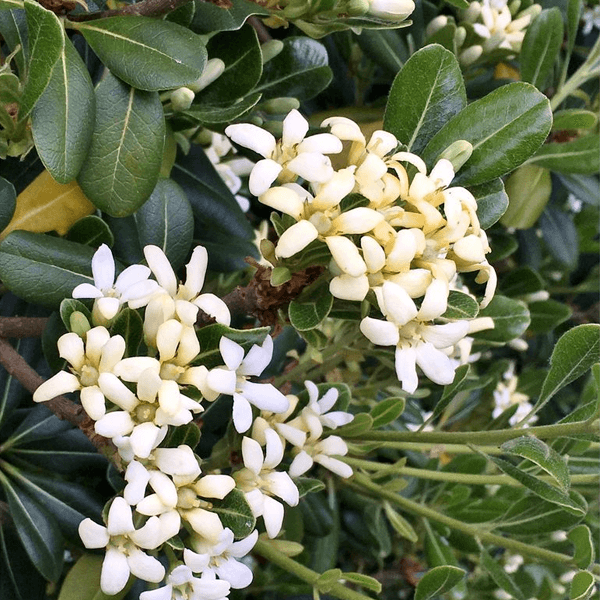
(301,463)
(94,342)
(232,353)
(168,338)
(92,400)
(149,536)
(115,572)
(214,307)
(398,306)
(273,516)
(108,307)
(295,127)
(214,486)
(242,413)
(236,573)
(344,129)
(112,352)
(324,143)
(435,302)
(382,333)
(61,383)
(296,238)
(114,424)
(162,269)
(373,254)
(86,290)
(163,593)
(284,200)
(252,137)
(205,523)
(311,166)
(176,461)
(346,255)
(442,336)
(336,419)
(406,370)
(263,175)
(117,392)
(120,520)
(103,268)
(346,287)
(222,381)
(151,506)
(252,454)
(294,436)
(137,477)
(274,449)
(258,358)
(93,535)
(357,220)
(265,396)
(334,465)
(333,445)
(130,369)
(196,562)
(143,439)
(281,485)
(196,270)
(209,589)
(145,567)
(164,487)
(435,364)
(131,276)
(241,548)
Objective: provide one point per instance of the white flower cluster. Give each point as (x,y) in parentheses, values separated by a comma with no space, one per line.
(506,396)
(134,400)
(487,26)
(404,246)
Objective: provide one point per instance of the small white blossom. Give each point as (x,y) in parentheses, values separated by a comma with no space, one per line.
(182,585)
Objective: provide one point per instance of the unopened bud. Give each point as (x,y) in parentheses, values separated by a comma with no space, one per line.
(470,55)
(280,106)
(270,50)
(391,10)
(214,69)
(267,249)
(78,323)
(182,98)
(458,153)
(357,8)
(514,7)
(533,11)
(203,137)
(459,36)
(256,120)
(436,24)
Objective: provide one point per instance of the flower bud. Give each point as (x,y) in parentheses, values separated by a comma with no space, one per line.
(182,98)
(392,10)
(436,25)
(214,69)
(458,153)
(470,55)
(459,36)
(270,50)
(279,106)
(78,323)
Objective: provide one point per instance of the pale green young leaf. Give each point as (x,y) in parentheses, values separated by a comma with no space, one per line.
(582,586)
(148,54)
(125,155)
(438,581)
(361,423)
(63,117)
(387,411)
(574,118)
(363,581)
(401,526)
(582,540)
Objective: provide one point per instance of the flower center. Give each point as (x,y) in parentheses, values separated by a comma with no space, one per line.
(88,376)
(144,413)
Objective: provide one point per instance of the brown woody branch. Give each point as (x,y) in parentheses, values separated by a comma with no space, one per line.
(22,327)
(62,407)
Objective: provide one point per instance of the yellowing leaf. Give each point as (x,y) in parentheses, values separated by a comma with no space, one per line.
(45,205)
(504,71)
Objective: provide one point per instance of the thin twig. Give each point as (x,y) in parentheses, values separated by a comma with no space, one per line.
(22,327)
(261,31)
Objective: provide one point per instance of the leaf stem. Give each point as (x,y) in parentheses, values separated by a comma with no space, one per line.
(362,483)
(268,551)
(447,448)
(458,477)
(491,437)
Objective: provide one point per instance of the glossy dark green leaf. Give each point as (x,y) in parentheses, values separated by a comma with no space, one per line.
(148,54)
(583,187)
(426,94)
(300,70)
(186,435)
(124,159)
(521,281)
(129,325)
(311,308)
(83,581)
(574,354)
(582,540)
(91,231)
(211,114)
(560,235)
(438,581)
(505,128)
(541,45)
(582,586)
(546,315)
(502,579)
(13,27)
(210,17)
(46,43)
(573,13)
(387,411)
(542,455)
(540,488)
(166,220)
(38,531)
(577,156)
(574,118)
(492,202)
(235,513)
(511,319)
(63,117)
(461,306)
(240,51)
(503,244)
(43,269)
(8,202)
(385,47)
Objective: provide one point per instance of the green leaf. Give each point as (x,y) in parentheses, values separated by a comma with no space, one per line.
(582,586)
(38,532)
(538,487)
(387,411)
(327,580)
(546,315)
(221,113)
(574,354)
(148,54)
(130,326)
(385,47)
(183,435)
(581,538)
(401,526)
(511,319)
(13,28)
(124,159)
(311,308)
(461,306)
(166,220)
(70,305)
(500,576)
(528,189)
(522,281)
(438,581)
(560,235)
(63,118)
(362,422)
(209,18)
(8,202)
(235,513)
(91,231)
(46,43)
(450,390)
(577,156)
(9,4)
(542,455)
(363,581)
(300,70)
(83,581)
(426,94)
(492,202)
(307,485)
(505,128)
(573,13)
(240,51)
(541,45)
(574,118)
(43,269)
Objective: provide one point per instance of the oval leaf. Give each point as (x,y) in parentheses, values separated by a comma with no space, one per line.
(428,91)
(438,581)
(511,319)
(148,54)
(505,128)
(577,156)
(8,202)
(387,411)
(125,156)
(492,202)
(461,306)
(235,513)
(581,537)
(582,586)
